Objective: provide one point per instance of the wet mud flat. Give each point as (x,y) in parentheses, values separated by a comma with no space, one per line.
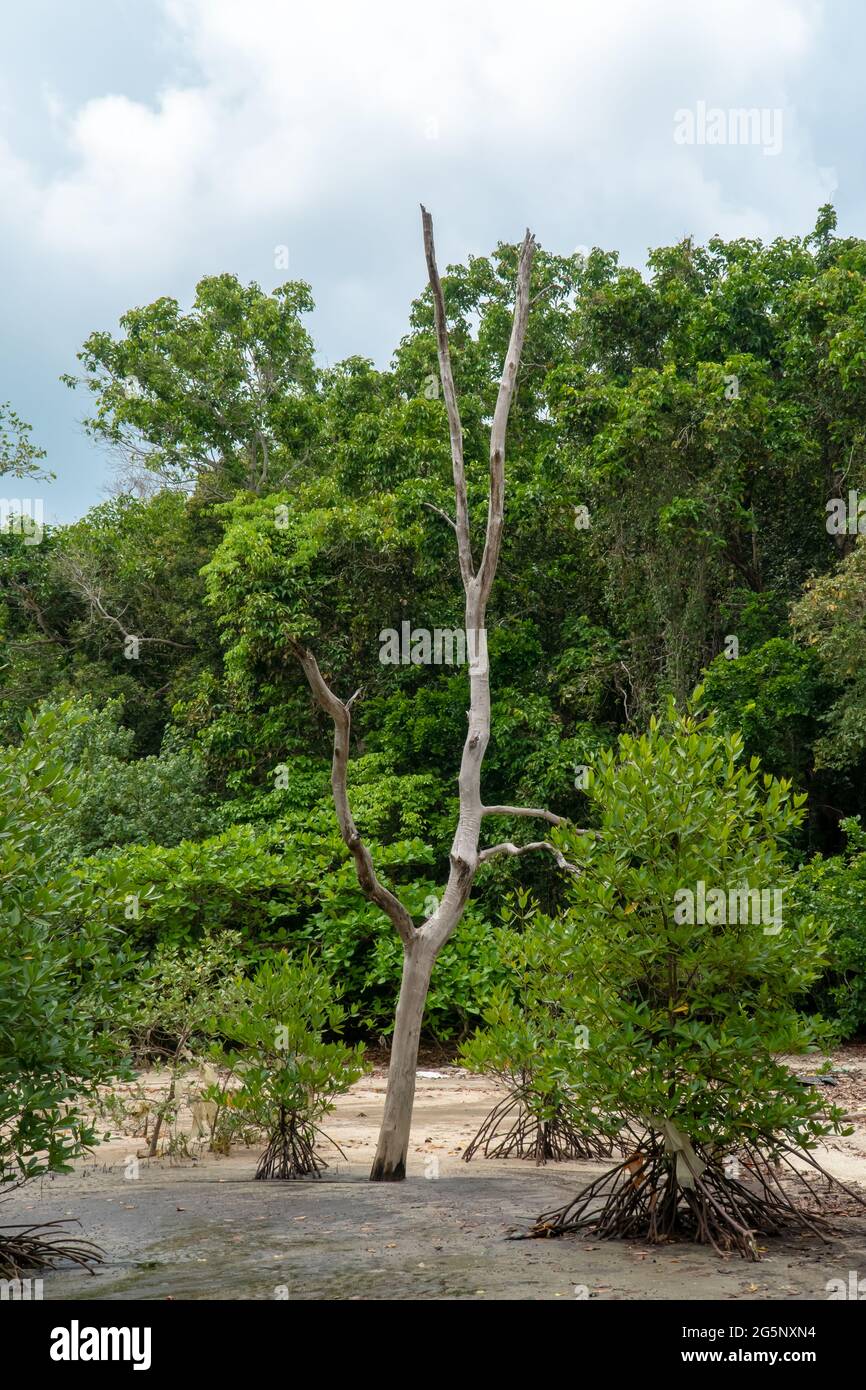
(206,1230)
(210,1231)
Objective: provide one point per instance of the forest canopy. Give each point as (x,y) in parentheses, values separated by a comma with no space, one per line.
(682,445)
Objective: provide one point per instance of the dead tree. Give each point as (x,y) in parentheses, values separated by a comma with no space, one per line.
(422,944)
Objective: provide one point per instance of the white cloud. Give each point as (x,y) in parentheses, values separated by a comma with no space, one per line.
(297,108)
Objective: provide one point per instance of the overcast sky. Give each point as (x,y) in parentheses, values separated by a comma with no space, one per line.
(145,143)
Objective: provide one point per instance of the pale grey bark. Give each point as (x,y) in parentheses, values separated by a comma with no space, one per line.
(422,944)
(533,811)
(508,847)
(341,715)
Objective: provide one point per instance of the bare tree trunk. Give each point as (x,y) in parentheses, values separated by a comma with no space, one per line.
(421,945)
(389,1164)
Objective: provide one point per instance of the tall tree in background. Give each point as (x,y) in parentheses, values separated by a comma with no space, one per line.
(217,399)
(19,456)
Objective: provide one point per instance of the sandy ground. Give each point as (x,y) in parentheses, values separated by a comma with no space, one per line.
(204,1229)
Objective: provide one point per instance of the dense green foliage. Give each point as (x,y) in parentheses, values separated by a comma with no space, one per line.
(833,891)
(60,982)
(284,885)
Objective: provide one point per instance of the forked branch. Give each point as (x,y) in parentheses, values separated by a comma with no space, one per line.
(455,428)
(340,714)
(508,847)
(507,386)
(535,812)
